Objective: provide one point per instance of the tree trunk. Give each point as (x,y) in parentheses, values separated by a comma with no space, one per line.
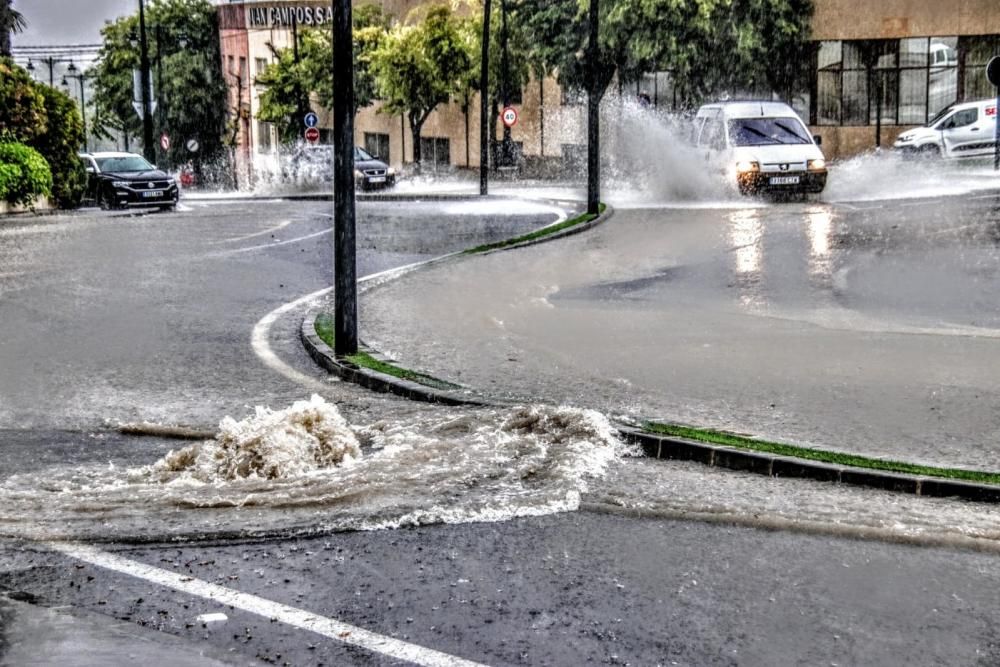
(415,126)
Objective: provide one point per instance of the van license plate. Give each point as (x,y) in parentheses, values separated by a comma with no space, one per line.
(153,193)
(784,180)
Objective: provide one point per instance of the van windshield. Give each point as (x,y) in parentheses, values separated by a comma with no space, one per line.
(763,131)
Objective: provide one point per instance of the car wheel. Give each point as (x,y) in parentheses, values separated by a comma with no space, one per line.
(104,200)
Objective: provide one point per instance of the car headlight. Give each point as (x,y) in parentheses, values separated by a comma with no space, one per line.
(390,171)
(747,166)
(119,184)
(358,174)
(818,164)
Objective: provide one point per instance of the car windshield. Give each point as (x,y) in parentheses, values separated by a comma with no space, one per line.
(764,131)
(362,154)
(123,164)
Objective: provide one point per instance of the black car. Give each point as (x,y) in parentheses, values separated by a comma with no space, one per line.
(121,180)
(315,164)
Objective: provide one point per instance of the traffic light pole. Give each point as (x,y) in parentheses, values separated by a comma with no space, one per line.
(344,260)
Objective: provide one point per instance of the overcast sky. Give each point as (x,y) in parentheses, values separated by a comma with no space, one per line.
(52,22)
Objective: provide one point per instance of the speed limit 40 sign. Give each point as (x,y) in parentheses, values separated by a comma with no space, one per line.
(509,116)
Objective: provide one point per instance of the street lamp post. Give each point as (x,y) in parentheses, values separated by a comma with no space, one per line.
(593,117)
(71,73)
(484,104)
(148,147)
(344,250)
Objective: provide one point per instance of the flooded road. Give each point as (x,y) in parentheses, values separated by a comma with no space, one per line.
(461,534)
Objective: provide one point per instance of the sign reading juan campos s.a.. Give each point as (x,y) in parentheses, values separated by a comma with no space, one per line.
(277,17)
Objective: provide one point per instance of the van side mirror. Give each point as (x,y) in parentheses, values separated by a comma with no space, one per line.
(818,139)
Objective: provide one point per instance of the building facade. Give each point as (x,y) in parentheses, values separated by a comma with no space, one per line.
(877,68)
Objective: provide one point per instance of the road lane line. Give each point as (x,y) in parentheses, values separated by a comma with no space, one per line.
(262,347)
(298,618)
(269,230)
(266,246)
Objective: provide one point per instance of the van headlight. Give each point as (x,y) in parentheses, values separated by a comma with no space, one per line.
(818,164)
(747,166)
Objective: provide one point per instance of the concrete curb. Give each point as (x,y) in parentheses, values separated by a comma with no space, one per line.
(380,382)
(773,465)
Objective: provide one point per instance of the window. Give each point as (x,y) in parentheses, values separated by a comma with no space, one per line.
(260,65)
(977,52)
(904,81)
(264,143)
(243,68)
(378,145)
(435,151)
(960,119)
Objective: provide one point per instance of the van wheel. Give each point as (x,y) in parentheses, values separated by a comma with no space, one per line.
(930,152)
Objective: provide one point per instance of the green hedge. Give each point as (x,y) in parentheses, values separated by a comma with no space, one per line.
(24,174)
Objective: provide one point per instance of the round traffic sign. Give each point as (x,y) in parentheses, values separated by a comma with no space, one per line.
(509,116)
(192,145)
(993,71)
(165,141)
(311,119)
(312,135)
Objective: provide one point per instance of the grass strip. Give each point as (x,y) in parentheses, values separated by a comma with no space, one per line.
(541,233)
(325,330)
(837,458)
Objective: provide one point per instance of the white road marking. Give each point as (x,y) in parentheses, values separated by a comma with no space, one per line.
(267,246)
(270,230)
(262,347)
(298,618)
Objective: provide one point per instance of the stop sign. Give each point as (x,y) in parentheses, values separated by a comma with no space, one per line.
(312,135)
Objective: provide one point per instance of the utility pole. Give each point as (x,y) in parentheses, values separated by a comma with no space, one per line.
(593,117)
(148,146)
(507,146)
(344,259)
(484,105)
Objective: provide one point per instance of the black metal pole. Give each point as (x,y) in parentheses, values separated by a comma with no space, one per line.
(148,146)
(506,151)
(345,268)
(593,117)
(996,135)
(484,105)
(83,111)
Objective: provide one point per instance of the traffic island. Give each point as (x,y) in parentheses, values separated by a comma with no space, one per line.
(660,441)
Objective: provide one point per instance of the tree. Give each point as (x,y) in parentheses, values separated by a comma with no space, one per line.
(186,72)
(417,67)
(60,145)
(22,106)
(765,42)
(48,121)
(288,81)
(11,21)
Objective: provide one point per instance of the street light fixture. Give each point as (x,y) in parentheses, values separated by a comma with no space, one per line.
(71,72)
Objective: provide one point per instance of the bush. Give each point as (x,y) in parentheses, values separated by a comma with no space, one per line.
(24,174)
(60,145)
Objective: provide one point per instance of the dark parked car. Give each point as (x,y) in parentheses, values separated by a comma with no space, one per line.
(121,180)
(315,164)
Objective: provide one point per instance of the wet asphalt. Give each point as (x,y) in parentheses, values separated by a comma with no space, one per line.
(121,318)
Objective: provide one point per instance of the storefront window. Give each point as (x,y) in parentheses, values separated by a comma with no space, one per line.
(978,50)
(902,81)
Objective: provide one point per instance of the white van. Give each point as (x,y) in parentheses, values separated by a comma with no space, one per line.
(961,131)
(760,147)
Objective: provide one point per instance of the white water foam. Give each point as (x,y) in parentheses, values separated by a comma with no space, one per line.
(301,470)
